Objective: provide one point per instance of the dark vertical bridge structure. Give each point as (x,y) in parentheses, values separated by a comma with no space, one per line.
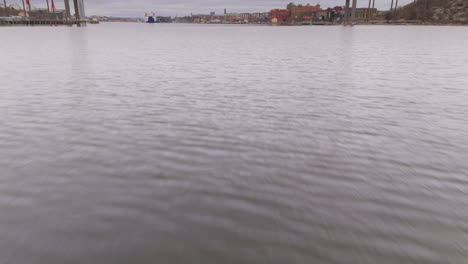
(67,8)
(77,18)
(353,11)
(78,6)
(354,6)
(77,9)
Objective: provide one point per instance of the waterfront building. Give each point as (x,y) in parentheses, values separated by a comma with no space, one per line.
(300,9)
(294,14)
(228,18)
(39,13)
(362,13)
(233,18)
(163,19)
(301,13)
(281,15)
(335,13)
(258,17)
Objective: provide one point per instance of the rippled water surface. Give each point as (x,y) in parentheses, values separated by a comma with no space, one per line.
(136,143)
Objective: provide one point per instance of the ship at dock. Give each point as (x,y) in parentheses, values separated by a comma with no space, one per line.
(152,18)
(149,18)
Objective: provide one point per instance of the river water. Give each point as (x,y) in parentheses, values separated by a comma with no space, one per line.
(137,143)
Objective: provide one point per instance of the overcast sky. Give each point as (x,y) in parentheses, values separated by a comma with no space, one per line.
(136,8)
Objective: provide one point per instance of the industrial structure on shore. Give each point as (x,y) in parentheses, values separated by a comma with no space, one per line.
(28,15)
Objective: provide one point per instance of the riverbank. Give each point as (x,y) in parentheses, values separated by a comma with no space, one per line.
(415,23)
(13,22)
(376,23)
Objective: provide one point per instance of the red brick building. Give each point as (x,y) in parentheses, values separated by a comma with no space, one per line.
(295,9)
(282,15)
(301,13)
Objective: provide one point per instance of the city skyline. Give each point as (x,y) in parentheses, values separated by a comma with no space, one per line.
(183,7)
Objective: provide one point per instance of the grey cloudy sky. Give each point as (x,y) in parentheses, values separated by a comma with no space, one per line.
(136,8)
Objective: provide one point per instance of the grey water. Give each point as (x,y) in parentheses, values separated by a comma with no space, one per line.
(138,143)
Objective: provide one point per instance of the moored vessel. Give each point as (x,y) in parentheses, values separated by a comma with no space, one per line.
(149,18)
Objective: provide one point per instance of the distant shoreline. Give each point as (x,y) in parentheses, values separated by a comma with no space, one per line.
(374,23)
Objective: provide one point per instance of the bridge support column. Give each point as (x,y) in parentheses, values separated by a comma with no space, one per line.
(346,9)
(5,8)
(77,9)
(77,13)
(67,8)
(48,10)
(369,11)
(24,9)
(353,13)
